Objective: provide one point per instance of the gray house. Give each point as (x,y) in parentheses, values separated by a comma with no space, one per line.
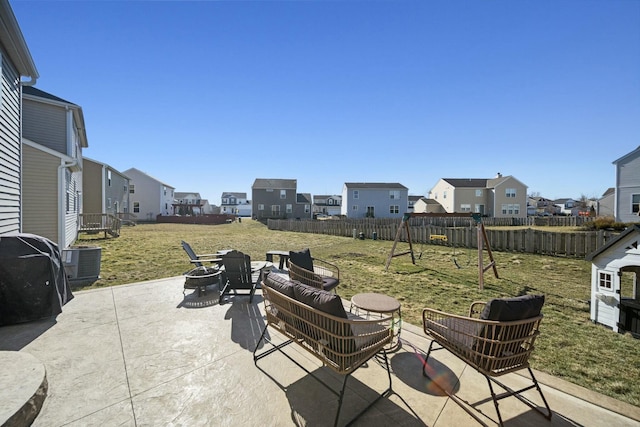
(53,136)
(149,196)
(279,199)
(374,200)
(605,203)
(16,63)
(104,189)
(627,190)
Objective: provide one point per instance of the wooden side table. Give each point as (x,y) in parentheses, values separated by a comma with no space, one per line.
(380,304)
(284,256)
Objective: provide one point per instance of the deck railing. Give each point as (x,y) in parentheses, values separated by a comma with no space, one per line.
(100,222)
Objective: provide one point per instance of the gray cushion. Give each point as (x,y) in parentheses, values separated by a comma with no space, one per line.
(319,299)
(302,259)
(280,284)
(508,309)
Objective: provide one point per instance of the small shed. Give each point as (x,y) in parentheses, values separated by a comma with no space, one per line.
(609,305)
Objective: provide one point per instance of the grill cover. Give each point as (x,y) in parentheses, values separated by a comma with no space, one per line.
(33,284)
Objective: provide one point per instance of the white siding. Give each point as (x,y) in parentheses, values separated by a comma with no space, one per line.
(10,161)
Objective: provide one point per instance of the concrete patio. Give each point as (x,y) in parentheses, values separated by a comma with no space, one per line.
(144,355)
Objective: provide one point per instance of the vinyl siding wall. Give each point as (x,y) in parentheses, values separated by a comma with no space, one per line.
(10,162)
(40,193)
(91,187)
(45,124)
(628,183)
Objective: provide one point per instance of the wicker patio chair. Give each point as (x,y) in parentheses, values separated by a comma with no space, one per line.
(496,338)
(313,271)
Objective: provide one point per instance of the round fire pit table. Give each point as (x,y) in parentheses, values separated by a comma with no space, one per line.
(380,304)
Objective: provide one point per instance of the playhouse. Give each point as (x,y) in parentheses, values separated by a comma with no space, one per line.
(614,304)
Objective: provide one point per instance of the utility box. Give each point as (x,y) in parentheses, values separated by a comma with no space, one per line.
(82,264)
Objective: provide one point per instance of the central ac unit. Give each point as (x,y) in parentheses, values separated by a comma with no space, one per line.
(82,264)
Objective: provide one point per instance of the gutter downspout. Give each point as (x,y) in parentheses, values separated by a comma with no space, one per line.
(62,203)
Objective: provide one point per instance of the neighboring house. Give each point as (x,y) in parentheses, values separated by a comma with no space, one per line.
(207,208)
(149,197)
(304,201)
(540,206)
(16,62)
(626,205)
(104,189)
(411,202)
(235,204)
(277,199)
(569,207)
(424,205)
(53,135)
(374,200)
(499,197)
(185,203)
(605,204)
(327,205)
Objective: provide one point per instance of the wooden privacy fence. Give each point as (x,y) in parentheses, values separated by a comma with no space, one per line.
(462,234)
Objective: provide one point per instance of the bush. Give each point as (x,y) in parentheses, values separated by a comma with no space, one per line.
(605,223)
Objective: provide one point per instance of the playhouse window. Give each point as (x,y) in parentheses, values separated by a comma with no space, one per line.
(635,203)
(604,281)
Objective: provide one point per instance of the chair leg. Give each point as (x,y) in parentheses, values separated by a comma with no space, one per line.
(424,365)
(516,394)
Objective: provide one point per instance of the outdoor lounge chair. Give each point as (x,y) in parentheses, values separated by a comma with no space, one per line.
(313,271)
(238,274)
(201,276)
(500,341)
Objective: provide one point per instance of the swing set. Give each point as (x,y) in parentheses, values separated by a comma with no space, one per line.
(483,241)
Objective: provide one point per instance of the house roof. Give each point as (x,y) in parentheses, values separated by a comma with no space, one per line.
(429,201)
(467,182)
(14,44)
(183,194)
(236,195)
(303,198)
(632,229)
(280,184)
(32,92)
(374,185)
(148,176)
(634,152)
(609,191)
(562,201)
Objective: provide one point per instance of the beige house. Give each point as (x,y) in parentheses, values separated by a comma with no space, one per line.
(499,197)
(53,137)
(104,189)
(424,205)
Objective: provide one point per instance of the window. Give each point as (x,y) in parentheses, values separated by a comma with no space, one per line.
(510,192)
(465,207)
(444,194)
(394,194)
(356,194)
(307,208)
(109,178)
(132,188)
(354,207)
(260,207)
(164,190)
(108,202)
(478,193)
(635,203)
(225,201)
(289,208)
(604,281)
(283,194)
(370,212)
(136,207)
(394,209)
(511,209)
(330,202)
(275,210)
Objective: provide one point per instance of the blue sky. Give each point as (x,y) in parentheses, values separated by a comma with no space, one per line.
(207,96)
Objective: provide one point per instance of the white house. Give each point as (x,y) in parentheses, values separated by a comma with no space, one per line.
(611,304)
(627,189)
(327,204)
(374,200)
(188,203)
(150,197)
(16,62)
(54,136)
(235,203)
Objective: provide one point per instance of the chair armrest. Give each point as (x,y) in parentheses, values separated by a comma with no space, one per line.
(216,260)
(208,255)
(325,268)
(476,308)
